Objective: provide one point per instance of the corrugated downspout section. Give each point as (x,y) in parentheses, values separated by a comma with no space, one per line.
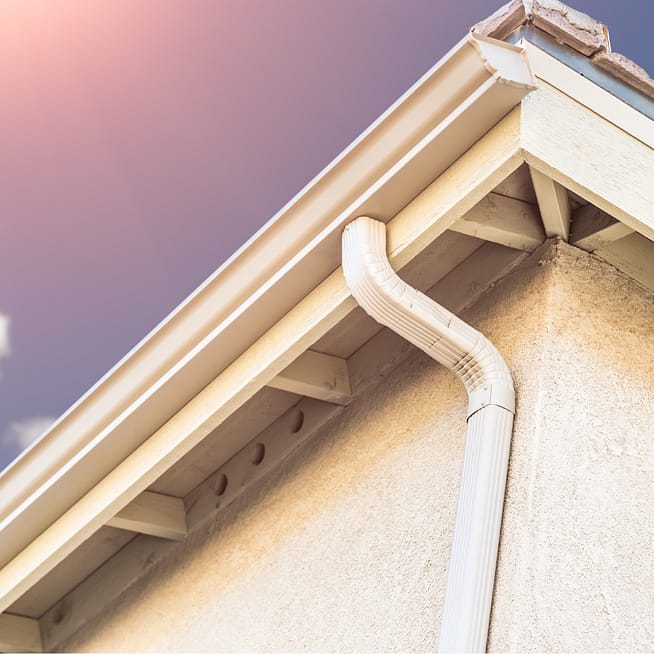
(471,575)
(483,372)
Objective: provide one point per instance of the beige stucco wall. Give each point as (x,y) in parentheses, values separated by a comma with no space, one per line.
(346,548)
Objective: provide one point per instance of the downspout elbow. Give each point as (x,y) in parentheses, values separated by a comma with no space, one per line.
(432,328)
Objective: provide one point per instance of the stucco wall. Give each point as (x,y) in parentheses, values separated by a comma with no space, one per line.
(346,548)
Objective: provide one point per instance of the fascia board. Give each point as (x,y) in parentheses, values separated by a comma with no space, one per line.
(585,67)
(440,117)
(578,87)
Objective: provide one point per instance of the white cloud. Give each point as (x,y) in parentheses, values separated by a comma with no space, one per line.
(4,336)
(21,433)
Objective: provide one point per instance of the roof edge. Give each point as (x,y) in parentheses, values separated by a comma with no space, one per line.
(421,134)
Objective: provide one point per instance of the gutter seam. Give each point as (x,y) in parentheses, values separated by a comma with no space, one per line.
(487,380)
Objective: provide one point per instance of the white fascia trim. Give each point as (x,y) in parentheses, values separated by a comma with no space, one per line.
(441,116)
(487,380)
(573,84)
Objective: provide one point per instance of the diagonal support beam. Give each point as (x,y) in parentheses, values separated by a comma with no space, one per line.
(507,221)
(554,204)
(317,375)
(631,254)
(595,231)
(592,227)
(154,514)
(19,634)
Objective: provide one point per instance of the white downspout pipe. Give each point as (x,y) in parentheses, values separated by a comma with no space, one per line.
(491,405)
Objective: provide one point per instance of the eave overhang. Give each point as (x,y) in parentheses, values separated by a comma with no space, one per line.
(476,84)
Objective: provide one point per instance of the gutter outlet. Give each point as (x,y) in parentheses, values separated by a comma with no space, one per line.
(491,406)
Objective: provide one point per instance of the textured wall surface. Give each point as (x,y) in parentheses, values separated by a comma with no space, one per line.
(575,568)
(346,547)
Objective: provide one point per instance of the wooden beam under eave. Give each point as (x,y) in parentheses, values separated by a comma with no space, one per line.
(507,221)
(633,255)
(554,205)
(317,375)
(154,514)
(592,227)
(19,634)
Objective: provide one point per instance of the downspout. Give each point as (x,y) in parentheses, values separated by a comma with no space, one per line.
(491,405)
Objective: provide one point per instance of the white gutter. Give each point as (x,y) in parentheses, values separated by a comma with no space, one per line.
(487,380)
(475,85)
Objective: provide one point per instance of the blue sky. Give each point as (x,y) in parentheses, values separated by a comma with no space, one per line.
(144,141)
